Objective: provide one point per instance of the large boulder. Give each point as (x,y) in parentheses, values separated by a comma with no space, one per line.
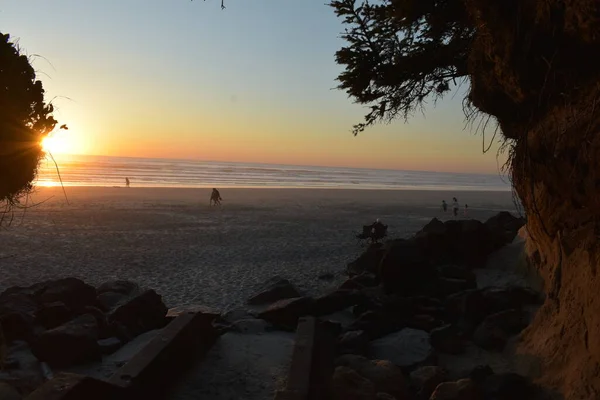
(338,300)
(73,292)
(140,313)
(503,227)
(508,386)
(285,313)
(405,269)
(367,261)
(273,290)
(347,384)
(52,315)
(353,342)
(494,331)
(71,343)
(17,312)
(447,339)
(407,349)
(424,380)
(7,392)
(385,376)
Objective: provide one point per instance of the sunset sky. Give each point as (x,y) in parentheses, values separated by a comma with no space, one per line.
(252,83)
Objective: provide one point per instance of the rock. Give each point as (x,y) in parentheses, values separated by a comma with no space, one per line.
(140,313)
(347,384)
(108,300)
(273,290)
(508,386)
(385,376)
(447,339)
(17,326)
(326,276)
(53,314)
(7,392)
(361,281)
(377,324)
(459,272)
(407,348)
(423,322)
(285,313)
(72,343)
(405,268)
(109,345)
(236,314)
(448,286)
(480,373)
(17,303)
(463,389)
(354,342)
(426,379)
(503,228)
(73,292)
(250,325)
(119,286)
(494,331)
(337,300)
(27,375)
(367,262)
(196,309)
(384,396)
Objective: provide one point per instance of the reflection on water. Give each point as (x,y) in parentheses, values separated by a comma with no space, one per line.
(150,172)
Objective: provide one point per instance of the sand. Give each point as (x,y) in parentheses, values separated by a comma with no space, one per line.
(172,241)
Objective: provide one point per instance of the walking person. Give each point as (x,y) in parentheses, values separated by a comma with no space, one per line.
(466,209)
(444,206)
(215,198)
(126,181)
(455,207)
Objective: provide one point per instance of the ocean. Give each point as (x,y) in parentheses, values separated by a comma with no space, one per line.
(154,172)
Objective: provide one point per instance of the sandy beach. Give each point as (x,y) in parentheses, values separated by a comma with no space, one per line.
(172,241)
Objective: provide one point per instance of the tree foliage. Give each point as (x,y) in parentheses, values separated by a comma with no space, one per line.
(25,119)
(400,53)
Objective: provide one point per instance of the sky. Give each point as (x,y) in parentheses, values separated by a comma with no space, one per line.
(251,83)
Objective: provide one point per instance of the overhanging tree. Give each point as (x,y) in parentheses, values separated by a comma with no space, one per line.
(25,119)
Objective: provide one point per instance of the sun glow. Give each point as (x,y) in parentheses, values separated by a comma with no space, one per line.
(56,143)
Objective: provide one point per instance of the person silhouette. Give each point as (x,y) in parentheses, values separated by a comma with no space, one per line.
(455,206)
(444,206)
(126,182)
(215,197)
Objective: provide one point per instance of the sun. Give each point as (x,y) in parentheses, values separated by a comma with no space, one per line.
(55,144)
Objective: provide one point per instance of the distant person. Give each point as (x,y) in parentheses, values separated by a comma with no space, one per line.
(455,206)
(444,205)
(466,209)
(215,197)
(126,182)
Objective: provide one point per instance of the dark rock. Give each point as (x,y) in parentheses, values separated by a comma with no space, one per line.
(109,345)
(196,309)
(384,396)
(17,303)
(494,331)
(108,300)
(367,261)
(284,314)
(273,290)
(53,314)
(326,276)
(464,389)
(361,281)
(236,314)
(407,349)
(73,292)
(377,324)
(72,343)
(250,325)
(480,373)
(101,319)
(26,375)
(459,272)
(140,313)
(423,322)
(347,384)
(337,300)
(508,386)
(405,269)
(354,342)
(385,376)
(119,286)
(447,339)
(17,326)
(426,379)
(7,392)
(448,286)
(503,228)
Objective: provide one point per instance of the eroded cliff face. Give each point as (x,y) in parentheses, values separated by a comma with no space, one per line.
(533,67)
